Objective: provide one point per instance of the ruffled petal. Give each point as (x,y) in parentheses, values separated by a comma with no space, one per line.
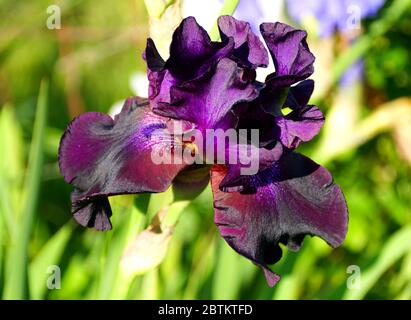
(100,157)
(292,58)
(155,69)
(192,55)
(299,95)
(301,124)
(248,47)
(294,198)
(192,52)
(208,100)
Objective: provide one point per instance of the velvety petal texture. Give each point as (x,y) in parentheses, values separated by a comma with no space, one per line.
(251,160)
(100,157)
(248,48)
(282,204)
(304,122)
(264,193)
(299,95)
(192,54)
(207,100)
(301,124)
(292,58)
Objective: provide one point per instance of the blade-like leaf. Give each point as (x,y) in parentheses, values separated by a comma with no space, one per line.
(49,255)
(398,245)
(17,264)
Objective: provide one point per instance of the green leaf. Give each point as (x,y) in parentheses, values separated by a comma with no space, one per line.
(49,255)
(16,280)
(11,168)
(226,282)
(396,247)
(2,246)
(114,283)
(150,286)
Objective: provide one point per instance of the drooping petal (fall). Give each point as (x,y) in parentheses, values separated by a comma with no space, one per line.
(294,198)
(100,157)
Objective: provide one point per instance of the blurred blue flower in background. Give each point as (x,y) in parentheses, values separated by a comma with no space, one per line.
(332,14)
(337,15)
(353,74)
(259,11)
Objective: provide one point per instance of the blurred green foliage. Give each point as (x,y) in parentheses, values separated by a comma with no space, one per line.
(88,65)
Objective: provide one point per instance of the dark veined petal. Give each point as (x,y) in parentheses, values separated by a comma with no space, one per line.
(251,159)
(304,122)
(155,68)
(192,52)
(301,124)
(299,95)
(248,47)
(253,116)
(100,157)
(284,203)
(207,101)
(292,58)
(151,55)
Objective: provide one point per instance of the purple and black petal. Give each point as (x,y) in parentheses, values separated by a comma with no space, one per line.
(192,54)
(155,68)
(248,48)
(299,95)
(251,160)
(293,198)
(292,58)
(208,100)
(101,157)
(304,121)
(301,124)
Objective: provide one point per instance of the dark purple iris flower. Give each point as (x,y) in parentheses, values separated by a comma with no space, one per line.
(211,85)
